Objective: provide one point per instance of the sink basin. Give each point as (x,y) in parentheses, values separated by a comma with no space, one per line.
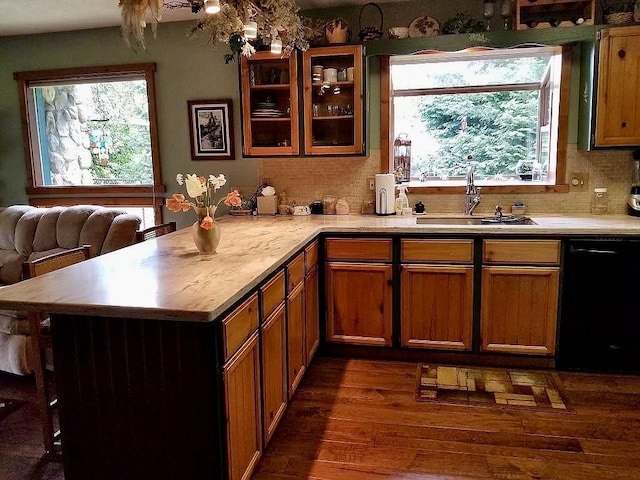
(505,220)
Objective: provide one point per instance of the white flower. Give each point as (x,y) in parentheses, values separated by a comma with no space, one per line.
(247,49)
(268,191)
(217,182)
(179,179)
(194,187)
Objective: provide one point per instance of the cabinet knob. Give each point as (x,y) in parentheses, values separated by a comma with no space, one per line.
(624,125)
(622,53)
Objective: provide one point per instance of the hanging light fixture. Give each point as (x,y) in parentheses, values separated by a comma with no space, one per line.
(211,7)
(276,43)
(251,30)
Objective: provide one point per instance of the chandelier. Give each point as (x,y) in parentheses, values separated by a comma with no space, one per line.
(241,24)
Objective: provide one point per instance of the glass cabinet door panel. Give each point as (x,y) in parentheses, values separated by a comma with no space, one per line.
(333,100)
(269,105)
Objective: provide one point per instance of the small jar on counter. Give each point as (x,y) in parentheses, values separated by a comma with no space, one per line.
(329,205)
(342,206)
(600,202)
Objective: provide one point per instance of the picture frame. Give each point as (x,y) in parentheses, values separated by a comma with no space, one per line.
(211,129)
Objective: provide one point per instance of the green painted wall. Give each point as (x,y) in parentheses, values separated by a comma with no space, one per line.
(187,69)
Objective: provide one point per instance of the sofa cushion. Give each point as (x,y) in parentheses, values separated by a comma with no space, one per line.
(26,230)
(70,224)
(95,229)
(8,220)
(11,270)
(46,236)
(122,233)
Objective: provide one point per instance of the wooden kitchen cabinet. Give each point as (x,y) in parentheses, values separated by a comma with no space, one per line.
(618,93)
(519,304)
(359,293)
(242,400)
(270,121)
(274,354)
(333,107)
(437,297)
(311,301)
(296,346)
(274,371)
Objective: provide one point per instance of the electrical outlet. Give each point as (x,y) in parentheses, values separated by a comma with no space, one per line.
(372,184)
(579,181)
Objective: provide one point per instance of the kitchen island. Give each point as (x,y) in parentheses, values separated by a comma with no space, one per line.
(139,345)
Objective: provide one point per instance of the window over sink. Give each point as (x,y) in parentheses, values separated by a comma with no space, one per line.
(498,110)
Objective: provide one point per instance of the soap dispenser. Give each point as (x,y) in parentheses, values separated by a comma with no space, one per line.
(402,202)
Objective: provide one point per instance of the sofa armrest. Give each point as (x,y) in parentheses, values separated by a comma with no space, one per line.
(122,233)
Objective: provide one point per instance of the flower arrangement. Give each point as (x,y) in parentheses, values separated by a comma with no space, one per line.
(203,191)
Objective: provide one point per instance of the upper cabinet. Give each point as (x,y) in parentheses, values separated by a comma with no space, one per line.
(333,100)
(269,104)
(618,93)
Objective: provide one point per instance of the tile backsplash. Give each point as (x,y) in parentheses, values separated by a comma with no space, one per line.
(308,179)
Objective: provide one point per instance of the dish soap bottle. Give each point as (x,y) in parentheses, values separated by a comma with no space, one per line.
(402,202)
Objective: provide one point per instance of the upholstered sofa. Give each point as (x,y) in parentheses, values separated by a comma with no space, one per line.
(28,233)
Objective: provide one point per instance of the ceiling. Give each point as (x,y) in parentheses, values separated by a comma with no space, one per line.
(24,17)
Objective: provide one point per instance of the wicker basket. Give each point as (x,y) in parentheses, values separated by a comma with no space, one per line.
(369,33)
(618,18)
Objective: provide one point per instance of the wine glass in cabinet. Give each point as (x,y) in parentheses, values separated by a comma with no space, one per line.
(270,123)
(333,100)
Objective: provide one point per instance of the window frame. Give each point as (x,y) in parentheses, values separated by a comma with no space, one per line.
(118,195)
(560,147)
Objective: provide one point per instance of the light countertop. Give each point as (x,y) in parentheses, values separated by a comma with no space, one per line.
(167,279)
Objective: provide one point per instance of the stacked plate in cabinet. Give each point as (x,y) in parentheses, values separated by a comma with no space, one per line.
(266,110)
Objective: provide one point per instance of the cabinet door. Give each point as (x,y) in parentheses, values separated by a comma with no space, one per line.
(312,316)
(333,100)
(618,96)
(519,309)
(269,104)
(437,306)
(359,303)
(242,403)
(274,371)
(295,337)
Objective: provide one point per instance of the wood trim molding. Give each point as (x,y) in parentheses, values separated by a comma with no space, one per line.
(386,112)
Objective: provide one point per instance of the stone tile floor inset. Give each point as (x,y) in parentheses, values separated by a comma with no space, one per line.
(489,386)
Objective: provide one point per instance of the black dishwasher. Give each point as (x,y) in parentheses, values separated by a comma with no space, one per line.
(600,319)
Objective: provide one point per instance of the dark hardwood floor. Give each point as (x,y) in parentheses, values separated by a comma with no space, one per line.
(358,420)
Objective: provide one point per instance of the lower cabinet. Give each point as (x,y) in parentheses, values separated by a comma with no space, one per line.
(359,290)
(296,346)
(242,401)
(519,309)
(437,306)
(520,291)
(436,293)
(274,371)
(312,313)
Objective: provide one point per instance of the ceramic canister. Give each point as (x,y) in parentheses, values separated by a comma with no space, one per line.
(331,75)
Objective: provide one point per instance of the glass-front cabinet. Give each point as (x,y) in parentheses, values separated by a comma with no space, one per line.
(270,104)
(333,100)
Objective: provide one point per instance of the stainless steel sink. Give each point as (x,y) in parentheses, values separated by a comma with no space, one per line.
(459,220)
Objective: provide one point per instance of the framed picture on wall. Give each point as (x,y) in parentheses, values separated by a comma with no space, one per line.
(211,129)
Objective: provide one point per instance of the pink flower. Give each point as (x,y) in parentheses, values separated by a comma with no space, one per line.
(207,223)
(177,202)
(233,199)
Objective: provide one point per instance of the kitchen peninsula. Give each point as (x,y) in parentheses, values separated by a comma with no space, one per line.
(141,335)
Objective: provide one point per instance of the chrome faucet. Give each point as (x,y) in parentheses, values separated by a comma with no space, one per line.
(472,195)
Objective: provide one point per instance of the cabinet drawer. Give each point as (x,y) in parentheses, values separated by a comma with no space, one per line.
(460,251)
(364,249)
(272,294)
(295,272)
(239,325)
(521,252)
(311,257)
